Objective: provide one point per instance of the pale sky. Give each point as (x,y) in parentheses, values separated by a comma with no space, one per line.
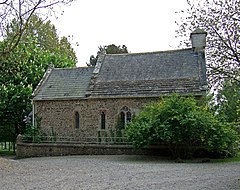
(141,25)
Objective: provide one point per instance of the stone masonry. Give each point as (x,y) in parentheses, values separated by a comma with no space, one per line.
(58,116)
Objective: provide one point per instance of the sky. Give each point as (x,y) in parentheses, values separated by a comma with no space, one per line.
(141,25)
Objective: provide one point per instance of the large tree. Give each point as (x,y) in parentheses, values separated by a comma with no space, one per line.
(22,11)
(44,34)
(221,20)
(20,72)
(107,49)
(25,56)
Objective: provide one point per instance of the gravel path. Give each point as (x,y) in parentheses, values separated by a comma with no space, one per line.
(116,172)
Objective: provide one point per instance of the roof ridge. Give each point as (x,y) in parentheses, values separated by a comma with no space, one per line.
(151,52)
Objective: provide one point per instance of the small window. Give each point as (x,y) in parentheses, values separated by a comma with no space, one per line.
(103,120)
(77,120)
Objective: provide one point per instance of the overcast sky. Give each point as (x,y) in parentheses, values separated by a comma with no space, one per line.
(141,25)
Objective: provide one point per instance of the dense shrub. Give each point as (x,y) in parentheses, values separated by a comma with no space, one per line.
(183,125)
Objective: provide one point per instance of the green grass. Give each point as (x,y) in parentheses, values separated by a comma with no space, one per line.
(6,152)
(234,159)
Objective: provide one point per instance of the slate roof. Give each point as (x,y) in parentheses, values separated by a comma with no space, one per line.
(150,74)
(64,83)
(147,74)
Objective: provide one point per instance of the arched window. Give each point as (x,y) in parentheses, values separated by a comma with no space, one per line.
(77,120)
(129,116)
(103,120)
(125,117)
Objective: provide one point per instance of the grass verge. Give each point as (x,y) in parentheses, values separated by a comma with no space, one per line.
(234,159)
(6,153)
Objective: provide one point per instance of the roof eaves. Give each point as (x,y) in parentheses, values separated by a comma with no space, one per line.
(59,98)
(42,81)
(194,93)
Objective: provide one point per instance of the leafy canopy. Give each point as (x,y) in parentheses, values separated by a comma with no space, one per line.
(109,49)
(23,67)
(21,13)
(182,125)
(227,102)
(44,35)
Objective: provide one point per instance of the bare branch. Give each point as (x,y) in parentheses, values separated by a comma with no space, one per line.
(22,11)
(4,2)
(220,18)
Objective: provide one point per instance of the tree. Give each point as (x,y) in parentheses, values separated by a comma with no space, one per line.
(45,36)
(183,125)
(29,45)
(20,72)
(21,12)
(113,49)
(109,49)
(65,48)
(221,20)
(228,102)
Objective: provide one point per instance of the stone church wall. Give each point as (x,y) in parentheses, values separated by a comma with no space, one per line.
(58,116)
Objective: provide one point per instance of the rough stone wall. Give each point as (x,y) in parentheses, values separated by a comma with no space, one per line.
(25,150)
(58,116)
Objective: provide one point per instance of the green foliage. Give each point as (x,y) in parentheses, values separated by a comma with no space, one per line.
(20,71)
(112,136)
(33,133)
(106,136)
(228,102)
(6,152)
(182,125)
(53,137)
(17,18)
(119,136)
(224,160)
(112,49)
(44,35)
(109,49)
(99,139)
(120,124)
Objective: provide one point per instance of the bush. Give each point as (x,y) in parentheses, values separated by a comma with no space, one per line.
(183,125)
(33,133)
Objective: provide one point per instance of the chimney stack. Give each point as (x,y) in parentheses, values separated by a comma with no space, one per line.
(198,39)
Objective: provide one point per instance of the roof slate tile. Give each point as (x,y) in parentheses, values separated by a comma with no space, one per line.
(148,74)
(127,75)
(65,83)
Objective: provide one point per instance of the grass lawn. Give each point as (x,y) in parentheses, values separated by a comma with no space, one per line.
(6,152)
(234,159)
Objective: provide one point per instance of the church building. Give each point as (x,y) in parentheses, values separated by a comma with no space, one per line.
(84,103)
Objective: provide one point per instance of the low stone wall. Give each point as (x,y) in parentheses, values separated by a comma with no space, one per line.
(25,150)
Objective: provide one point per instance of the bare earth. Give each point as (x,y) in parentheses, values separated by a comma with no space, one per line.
(116,172)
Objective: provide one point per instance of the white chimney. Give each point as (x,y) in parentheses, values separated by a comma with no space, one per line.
(198,39)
